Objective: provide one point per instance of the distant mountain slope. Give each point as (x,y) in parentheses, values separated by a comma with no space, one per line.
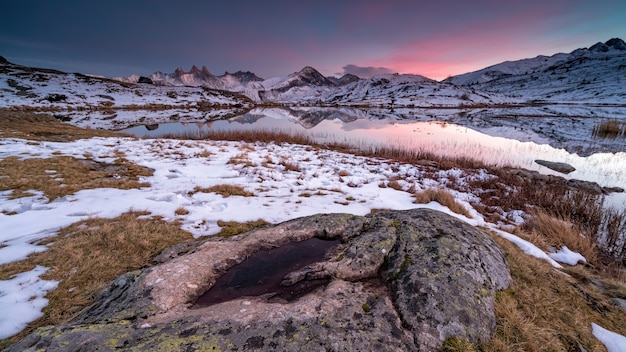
(589,75)
(409,90)
(202,78)
(247,82)
(36,88)
(311,88)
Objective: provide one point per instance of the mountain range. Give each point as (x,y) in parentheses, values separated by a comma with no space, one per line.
(586,76)
(589,75)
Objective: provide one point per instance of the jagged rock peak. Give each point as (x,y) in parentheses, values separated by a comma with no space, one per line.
(616,43)
(3,60)
(348,78)
(308,70)
(205,70)
(246,76)
(310,75)
(599,48)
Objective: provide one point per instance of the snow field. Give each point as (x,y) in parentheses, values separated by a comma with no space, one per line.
(287,181)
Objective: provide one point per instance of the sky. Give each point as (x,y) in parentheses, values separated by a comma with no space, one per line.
(274,38)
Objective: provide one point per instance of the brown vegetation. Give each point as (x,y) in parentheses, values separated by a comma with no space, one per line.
(225,190)
(64,175)
(181,211)
(442,197)
(609,129)
(547,231)
(232,228)
(545,310)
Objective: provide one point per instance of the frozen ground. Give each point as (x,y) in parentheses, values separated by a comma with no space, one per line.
(287,181)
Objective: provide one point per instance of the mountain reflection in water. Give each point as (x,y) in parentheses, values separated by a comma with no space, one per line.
(514,141)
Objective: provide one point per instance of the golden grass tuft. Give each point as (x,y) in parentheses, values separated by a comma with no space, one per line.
(546,231)
(289,166)
(64,175)
(225,190)
(88,255)
(609,129)
(442,197)
(394,184)
(232,228)
(241,159)
(545,310)
(181,211)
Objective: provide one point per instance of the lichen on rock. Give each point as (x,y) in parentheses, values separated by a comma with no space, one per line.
(400,280)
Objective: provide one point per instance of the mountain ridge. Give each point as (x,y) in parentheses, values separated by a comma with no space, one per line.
(593,75)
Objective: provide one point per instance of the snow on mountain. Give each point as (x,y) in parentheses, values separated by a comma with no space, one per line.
(345,79)
(410,91)
(235,82)
(306,116)
(593,75)
(300,85)
(294,86)
(35,88)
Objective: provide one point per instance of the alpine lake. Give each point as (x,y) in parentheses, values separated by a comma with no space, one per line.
(595,146)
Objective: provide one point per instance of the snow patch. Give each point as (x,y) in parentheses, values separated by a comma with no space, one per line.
(22,299)
(566,256)
(614,342)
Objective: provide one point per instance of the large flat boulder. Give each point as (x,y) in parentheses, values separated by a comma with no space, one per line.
(399,280)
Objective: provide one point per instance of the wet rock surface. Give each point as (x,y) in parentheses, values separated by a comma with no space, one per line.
(399,280)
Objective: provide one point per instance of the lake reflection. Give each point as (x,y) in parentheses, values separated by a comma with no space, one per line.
(498,145)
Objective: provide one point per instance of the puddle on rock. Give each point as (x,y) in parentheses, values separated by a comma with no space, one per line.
(263,272)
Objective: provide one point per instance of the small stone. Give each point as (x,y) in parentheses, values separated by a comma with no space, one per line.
(563,168)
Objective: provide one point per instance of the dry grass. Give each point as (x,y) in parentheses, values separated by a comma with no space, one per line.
(266,136)
(241,159)
(225,190)
(181,211)
(289,166)
(442,197)
(88,255)
(544,310)
(44,127)
(399,154)
(609,129)
(548,231)
(64,175)
(394,184)
(232,228)
(583,210)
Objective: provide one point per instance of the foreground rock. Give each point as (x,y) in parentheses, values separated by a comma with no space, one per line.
(399,280)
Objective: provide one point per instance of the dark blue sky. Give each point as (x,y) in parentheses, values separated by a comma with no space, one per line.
(275,38)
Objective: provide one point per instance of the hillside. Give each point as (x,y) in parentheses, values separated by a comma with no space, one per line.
(589,75)
(38,88)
